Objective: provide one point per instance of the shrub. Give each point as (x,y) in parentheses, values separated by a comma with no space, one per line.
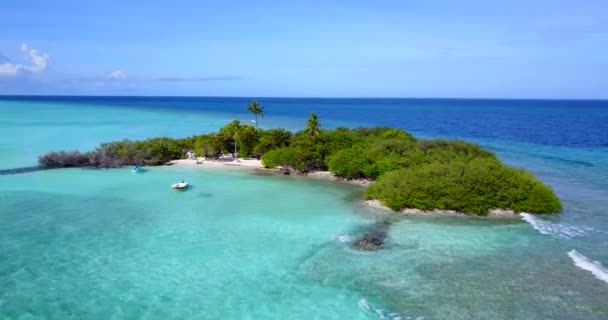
(63,159)
(352,163)
(471,186)
(296,157)
(397,134)
(445,150)
(272,139)
(373,156)
(207,145)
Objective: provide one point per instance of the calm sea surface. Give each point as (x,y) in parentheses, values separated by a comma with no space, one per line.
(100,244)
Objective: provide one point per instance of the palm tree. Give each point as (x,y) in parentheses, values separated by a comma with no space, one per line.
(235,126)
(255,108)
(313,126)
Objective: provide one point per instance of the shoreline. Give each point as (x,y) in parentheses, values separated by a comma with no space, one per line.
(224,162)
(493,213)
(256,165)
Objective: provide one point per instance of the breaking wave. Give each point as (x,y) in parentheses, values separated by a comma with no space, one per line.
(378,313)
(595,267)
(344,238)
(560,230)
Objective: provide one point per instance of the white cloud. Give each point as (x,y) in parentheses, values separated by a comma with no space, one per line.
(117,75)
(7,69)
(37,63)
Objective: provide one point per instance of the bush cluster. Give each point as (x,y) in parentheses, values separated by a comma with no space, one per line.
(474,186)
(250,142)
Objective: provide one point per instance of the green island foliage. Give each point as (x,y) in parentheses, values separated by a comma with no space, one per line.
(407,172)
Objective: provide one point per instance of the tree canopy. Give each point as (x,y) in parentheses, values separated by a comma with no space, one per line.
(257,110)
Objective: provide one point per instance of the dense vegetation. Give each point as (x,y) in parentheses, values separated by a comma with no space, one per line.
(245,140)
(412,173)
(408,172)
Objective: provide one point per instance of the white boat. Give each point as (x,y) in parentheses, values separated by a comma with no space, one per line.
(136,169)
(180,185)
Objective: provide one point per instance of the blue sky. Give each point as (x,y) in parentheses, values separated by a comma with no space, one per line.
(509,49)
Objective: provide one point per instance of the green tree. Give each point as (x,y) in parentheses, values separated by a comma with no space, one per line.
(255,108)
(234,128)
(209,145)
(248,138)
(230,137)
(271,139)
(313,127)
(295,157)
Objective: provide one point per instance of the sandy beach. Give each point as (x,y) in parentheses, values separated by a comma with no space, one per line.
(254,164)
(223,162)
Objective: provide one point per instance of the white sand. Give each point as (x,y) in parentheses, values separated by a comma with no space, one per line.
(224,162)
(493,213)
(326,175)
(228,162)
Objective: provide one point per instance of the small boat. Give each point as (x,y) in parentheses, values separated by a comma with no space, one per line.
(180,185)
(136,169)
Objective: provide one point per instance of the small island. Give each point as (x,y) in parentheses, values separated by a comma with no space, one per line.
(405,172)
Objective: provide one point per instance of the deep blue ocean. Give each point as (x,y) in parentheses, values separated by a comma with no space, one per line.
(570,123)
(552,267)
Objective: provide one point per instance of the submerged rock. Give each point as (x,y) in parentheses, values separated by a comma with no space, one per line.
(286,170)
(370,241)
(374,239)
(22,170)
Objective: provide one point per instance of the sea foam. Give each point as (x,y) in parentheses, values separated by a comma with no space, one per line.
(344,238)
(560,230)
(383,314)
(595,267)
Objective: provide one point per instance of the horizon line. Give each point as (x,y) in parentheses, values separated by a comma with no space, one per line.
(292,97)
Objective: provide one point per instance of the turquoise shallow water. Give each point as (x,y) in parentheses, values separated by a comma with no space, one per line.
(32,128)
(129,246)
(99,244)
(92,243)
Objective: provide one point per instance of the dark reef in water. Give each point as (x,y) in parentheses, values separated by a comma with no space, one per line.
(375,238)
(22,170)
